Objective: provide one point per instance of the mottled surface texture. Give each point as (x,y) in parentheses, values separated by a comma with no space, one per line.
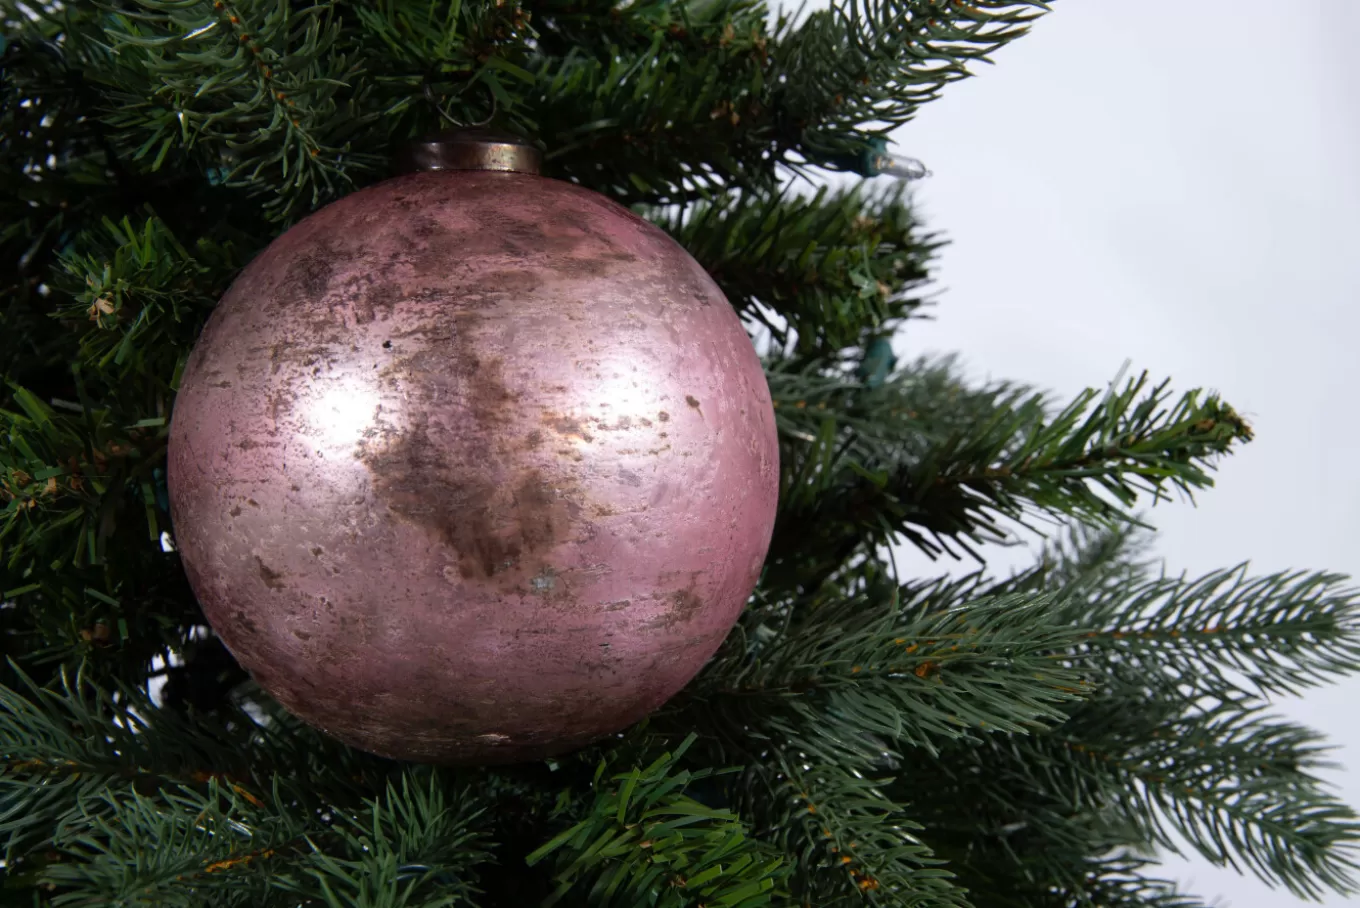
(473,467)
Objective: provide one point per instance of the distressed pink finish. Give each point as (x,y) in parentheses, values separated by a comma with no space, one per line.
(473,467)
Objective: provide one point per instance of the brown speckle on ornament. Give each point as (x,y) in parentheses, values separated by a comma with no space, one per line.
(272,578)
(567,425)
(687,604)
(378,303)
(484,519)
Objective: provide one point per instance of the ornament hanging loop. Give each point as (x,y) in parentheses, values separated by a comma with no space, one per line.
(447,117)
(468,147)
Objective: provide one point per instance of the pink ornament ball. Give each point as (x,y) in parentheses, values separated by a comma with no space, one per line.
(473,467)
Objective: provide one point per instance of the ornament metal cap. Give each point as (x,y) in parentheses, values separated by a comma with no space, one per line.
(470,148)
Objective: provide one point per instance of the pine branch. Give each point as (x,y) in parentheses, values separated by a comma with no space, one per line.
(1237,784)
(662,103)
(1106,883)
(473,57)
(924,455)
(1044,813)
(409,847)
(1127,768)
(852,844)
(259,88)
(835,267)
(1123,889)
(838,687)
(1033,818)
(1276,634)
(79,534)
(414,846)
(645,842)
(145,808)
(916,674)
(62,748)
(127,849)
(871,64)
(142,297)
(1169,741)
(1217,635)
(41,120)
(1087,561)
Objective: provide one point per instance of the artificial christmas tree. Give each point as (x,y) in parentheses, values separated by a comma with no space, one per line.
(859,738)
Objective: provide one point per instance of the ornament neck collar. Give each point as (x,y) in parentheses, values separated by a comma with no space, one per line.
(470,148)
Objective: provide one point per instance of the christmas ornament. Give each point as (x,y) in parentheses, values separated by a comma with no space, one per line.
(473,465)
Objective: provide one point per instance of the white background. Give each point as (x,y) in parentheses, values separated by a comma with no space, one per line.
(1174,183)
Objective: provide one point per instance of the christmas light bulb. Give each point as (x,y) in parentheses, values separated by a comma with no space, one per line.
(899,166)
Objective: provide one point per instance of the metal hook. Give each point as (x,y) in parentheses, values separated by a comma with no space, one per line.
(447,117)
